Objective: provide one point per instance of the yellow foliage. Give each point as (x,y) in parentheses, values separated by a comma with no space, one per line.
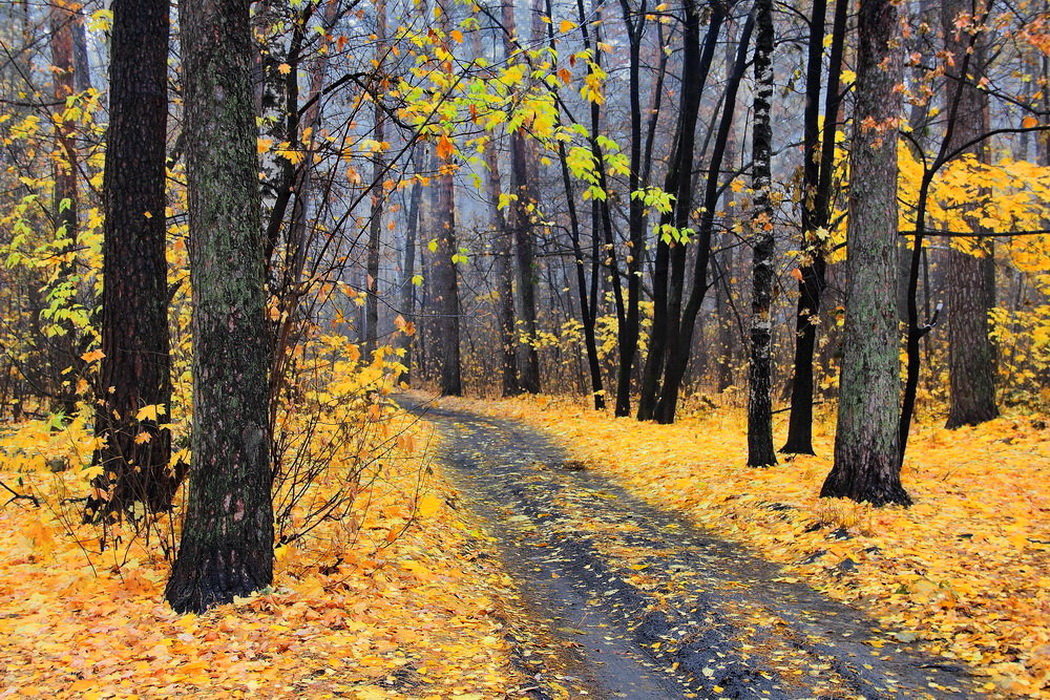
(342,617)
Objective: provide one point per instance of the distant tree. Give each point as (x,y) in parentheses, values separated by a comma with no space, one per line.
(227,538)
(519,220)
(408,281)
(673,318)
(502,245)
(970,278)
(135,371)
(867,461)
(760,450)
(443,276)
(375,220)
(64,350)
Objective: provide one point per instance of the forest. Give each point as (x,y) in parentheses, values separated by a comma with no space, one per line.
(525,348)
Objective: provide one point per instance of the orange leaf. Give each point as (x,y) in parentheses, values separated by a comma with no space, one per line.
(445,147)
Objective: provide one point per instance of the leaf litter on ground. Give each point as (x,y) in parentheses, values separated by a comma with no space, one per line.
(403,601)
(965,571)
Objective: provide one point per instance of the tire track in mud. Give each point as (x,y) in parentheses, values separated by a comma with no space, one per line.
(622,599)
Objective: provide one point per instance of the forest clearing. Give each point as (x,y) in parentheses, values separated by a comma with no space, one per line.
(525,348)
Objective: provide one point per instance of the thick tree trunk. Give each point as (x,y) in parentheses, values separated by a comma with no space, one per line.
(227,537)
(760,450)
(135,370)
(521,214)
(971,279)
(502,251)
(867,466)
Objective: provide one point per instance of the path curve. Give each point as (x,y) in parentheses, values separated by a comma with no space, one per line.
(636,602)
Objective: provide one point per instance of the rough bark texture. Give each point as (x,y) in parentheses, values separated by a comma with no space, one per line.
(520,222)
(227,537)
(971,279)
(502,251)
(867,466)
(135,371)
(444,299)
(759,407)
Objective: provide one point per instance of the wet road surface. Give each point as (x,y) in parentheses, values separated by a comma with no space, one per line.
(626,600)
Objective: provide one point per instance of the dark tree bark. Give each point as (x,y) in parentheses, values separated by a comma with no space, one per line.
(971,278)
(502,251)
(760,450)
(408,285)
(727,345)
(819,154)
(227,538)
(867,466)
(629,331)
(667,283)
(603,240)
(587,306)
(375,221)
(521,213)
(64,350)
(682,316)
(135,370)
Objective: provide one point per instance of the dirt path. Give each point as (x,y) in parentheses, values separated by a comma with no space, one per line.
(625,600)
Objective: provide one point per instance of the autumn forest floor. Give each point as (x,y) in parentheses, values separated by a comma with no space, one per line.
(960,577)
(643,604)
(534,548)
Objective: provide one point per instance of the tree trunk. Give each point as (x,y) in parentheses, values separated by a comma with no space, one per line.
(227,537)
(502,251)
(819,150)
(667,282)
(759,407)
(587,306)
(971,279)
(135,370)
(408,283)
(444,301)
(375,221)
(683,316)
(867,466)
(521,214)
(64,350)
(634,23)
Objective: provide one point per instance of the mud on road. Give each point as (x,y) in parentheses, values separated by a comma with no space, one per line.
(624,600)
